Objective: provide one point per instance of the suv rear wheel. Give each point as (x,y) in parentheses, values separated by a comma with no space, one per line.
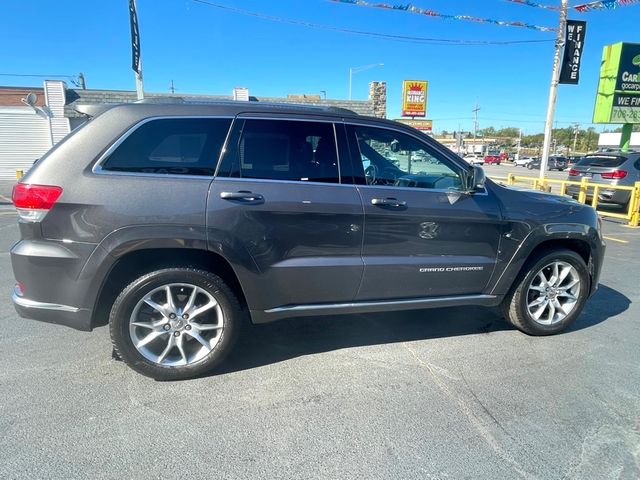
(549,294)
(174,323)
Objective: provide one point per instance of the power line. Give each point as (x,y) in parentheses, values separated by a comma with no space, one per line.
(401,38)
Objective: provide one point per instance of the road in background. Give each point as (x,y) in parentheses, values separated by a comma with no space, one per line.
(447,393)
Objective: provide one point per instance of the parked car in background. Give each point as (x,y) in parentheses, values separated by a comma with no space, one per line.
(555,163)
(620,169)
(573,159)
(523,161)
(493,158)
(474,159)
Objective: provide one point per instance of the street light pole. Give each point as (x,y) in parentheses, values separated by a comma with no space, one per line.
(553,90)
(353,70)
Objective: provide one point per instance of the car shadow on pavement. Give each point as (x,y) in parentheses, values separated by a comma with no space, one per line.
(604,304)
(261,345)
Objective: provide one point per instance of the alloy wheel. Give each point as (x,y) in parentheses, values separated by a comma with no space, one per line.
(553,293)
(176,324)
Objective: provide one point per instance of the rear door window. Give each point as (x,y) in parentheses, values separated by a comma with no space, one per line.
(180,146)
(289,150)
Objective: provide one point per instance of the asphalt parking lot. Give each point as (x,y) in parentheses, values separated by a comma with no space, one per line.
(434,394)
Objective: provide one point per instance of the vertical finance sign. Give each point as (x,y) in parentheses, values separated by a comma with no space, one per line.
(414,98)
(135,37)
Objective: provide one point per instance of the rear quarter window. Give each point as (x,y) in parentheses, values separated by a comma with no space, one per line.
(181,146)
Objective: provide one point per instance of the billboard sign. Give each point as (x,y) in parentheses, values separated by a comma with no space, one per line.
(422,125)
(618,98)
(414,98)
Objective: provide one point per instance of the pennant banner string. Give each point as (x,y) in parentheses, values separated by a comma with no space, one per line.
(431,13)
(604,5)
(535,4)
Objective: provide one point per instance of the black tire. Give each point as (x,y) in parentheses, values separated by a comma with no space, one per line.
(529,166)
(132,295)
(514,306)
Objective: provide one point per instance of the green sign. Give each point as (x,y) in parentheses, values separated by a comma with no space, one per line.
(618,99)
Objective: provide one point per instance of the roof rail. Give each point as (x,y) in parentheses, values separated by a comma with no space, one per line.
(224,102)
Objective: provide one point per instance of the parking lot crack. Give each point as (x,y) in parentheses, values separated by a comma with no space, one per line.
(476,421)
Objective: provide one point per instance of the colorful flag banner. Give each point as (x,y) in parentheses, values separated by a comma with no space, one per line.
(535,4)
(431,13)
(604,5)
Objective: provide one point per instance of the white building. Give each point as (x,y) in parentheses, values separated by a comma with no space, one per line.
(27,132)
(612,140)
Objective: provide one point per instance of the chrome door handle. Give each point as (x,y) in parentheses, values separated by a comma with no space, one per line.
(252,197)
(388,202)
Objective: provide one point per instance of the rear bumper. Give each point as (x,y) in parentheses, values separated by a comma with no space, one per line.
(51,290)
(78,318)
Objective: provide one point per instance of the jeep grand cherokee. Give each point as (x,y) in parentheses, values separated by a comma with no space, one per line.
(176,222)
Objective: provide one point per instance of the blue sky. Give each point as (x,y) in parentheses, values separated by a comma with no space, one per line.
(210,50)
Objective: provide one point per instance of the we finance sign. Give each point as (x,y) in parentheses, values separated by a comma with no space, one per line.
(618,99)
(414,98)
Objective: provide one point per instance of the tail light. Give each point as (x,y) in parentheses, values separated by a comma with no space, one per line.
(617,174)
(33,202)
(573,172)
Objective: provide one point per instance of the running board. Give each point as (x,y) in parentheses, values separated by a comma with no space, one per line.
(288,311)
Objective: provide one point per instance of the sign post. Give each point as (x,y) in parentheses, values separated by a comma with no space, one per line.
(553,90)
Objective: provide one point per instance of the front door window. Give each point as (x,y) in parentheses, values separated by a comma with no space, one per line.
(392,158)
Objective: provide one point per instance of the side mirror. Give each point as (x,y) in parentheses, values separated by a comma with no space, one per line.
(477,179)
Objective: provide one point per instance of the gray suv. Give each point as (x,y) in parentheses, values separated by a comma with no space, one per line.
(607,169)
(175,223)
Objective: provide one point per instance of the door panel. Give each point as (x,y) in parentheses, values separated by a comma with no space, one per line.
(278,197)
(429,247)
(423,236)
(305,239)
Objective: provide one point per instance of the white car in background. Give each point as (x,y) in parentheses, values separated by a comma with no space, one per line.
(474,159)
(523,162)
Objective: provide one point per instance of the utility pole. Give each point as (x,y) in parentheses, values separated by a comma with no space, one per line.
(576,129)
(475,127)
(553,90)
(519,145)
(172,87)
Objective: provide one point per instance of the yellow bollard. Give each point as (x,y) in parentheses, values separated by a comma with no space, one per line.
(634,205)
(582,197)
(594,200)
(511,179)
(19,174)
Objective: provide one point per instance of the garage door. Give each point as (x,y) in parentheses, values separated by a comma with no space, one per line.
(24,137)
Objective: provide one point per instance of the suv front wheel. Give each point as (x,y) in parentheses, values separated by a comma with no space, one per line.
(174,323)
(549,294)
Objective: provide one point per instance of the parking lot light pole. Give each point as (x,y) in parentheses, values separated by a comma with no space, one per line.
(353,70)
(553,90)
